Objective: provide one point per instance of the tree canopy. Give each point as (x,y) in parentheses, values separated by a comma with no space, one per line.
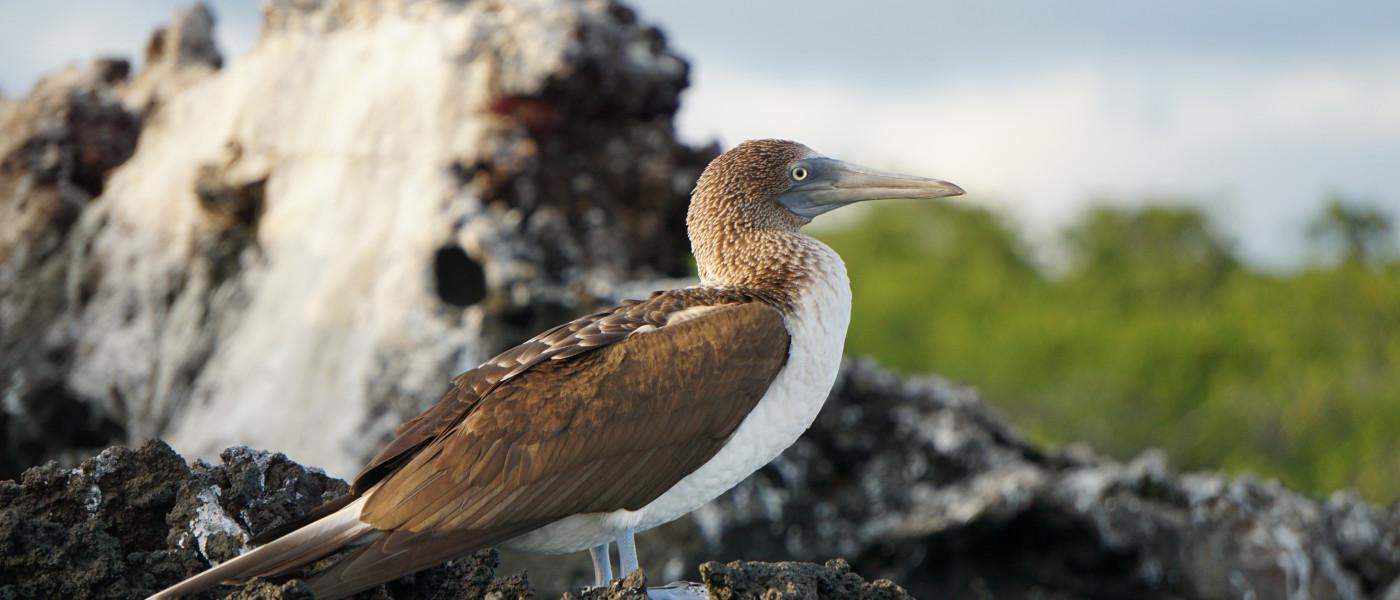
(1154,334)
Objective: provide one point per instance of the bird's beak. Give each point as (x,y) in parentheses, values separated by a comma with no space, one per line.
(831,184)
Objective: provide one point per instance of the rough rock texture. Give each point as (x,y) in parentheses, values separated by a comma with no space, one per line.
(127,522)
(912,481)
(793,581)
(915,481)
(377,196)
(56,149)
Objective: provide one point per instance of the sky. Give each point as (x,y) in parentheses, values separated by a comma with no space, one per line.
(1254,110)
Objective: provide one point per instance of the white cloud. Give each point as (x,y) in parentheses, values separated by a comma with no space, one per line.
(1262,143)
(1006,105)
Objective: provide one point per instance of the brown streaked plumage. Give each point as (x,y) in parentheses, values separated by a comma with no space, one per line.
(563,342)
(617,420)
(739,235)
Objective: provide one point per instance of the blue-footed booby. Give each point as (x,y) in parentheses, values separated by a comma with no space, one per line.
(621,420)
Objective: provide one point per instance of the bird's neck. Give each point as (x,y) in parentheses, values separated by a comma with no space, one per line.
(780,263)
(742,241)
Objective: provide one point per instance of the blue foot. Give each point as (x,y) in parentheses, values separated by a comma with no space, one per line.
(627,551)
(602,565)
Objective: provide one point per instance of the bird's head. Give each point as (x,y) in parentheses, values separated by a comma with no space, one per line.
(778,184)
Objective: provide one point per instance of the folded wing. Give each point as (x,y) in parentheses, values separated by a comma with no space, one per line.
(601,414)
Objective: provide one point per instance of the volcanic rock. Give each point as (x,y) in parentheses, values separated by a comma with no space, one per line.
(327,228)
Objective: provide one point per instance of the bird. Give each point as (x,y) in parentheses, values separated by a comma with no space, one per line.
(621,420)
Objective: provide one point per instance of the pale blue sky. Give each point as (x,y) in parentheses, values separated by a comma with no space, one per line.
(1256,109)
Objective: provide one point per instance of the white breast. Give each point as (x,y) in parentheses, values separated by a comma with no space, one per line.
(817,328)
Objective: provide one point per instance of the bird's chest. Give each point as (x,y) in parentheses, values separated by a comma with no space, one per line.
(817,329)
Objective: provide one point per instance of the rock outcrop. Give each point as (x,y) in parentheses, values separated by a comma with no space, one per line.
(126,523)
(911,481)
(375,197)
(914,480)
(56,150)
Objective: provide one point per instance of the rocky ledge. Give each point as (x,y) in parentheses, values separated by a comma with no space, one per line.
(908,480)
(126,523)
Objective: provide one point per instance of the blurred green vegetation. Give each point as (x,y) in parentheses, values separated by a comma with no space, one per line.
(1152,333)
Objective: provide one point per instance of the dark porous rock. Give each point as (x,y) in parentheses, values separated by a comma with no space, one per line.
(96,531)
(1367,540)
(793,581)
(468,577)
(266,590)
(249,492)
(127,523)
(914,480)
(631,587)
(944,500)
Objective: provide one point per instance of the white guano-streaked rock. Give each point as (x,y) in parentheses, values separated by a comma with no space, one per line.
(309,241)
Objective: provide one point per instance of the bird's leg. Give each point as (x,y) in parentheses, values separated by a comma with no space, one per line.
(602,565)
(627,551)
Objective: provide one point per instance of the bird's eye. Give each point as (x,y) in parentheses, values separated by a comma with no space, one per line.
(799,173)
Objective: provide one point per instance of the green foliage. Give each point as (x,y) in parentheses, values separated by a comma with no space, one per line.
(1154,335)
(1360,233)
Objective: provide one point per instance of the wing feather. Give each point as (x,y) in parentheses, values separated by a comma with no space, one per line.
(604,430)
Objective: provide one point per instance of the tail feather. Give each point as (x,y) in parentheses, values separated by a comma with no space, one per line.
(303,546)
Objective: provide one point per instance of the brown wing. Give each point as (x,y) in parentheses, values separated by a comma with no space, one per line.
(413,435)
(563,342)
(603,430)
